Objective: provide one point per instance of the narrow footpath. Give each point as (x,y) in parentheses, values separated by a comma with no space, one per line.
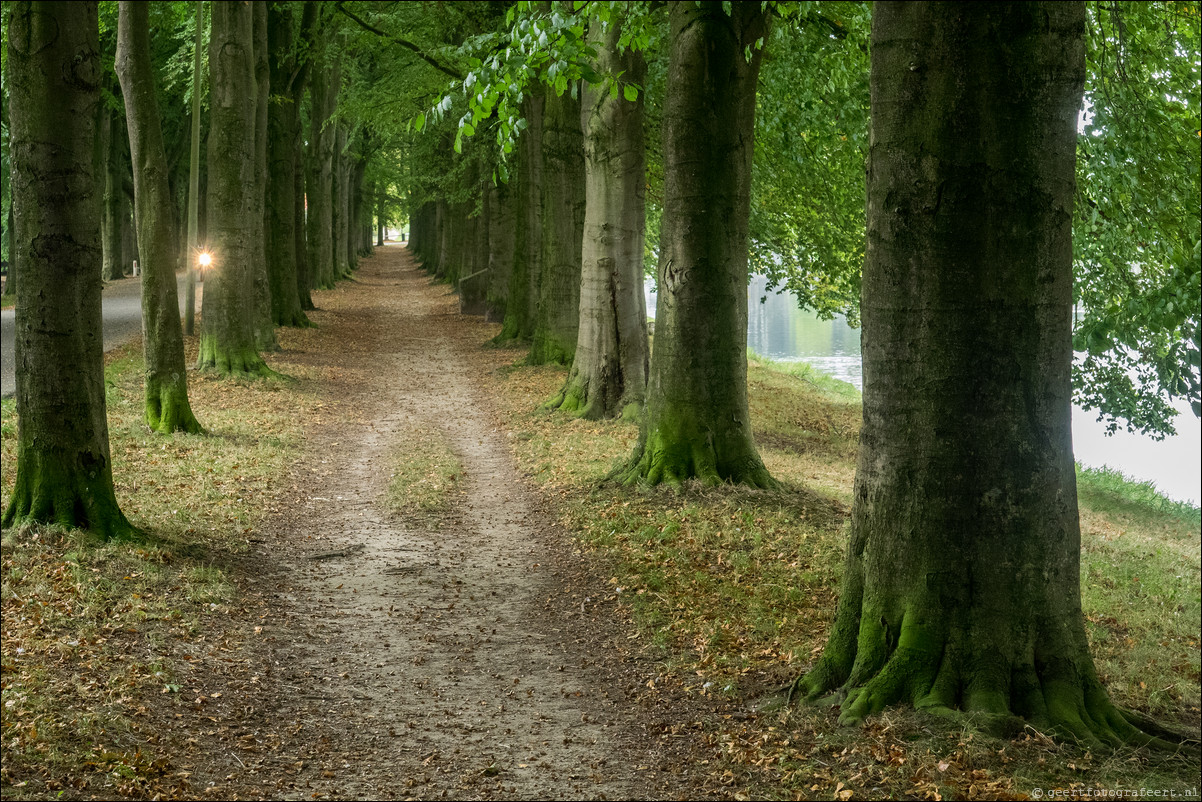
(399,662)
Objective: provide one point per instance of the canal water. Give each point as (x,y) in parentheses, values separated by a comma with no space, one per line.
(778,329)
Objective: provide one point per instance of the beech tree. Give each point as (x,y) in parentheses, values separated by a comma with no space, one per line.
(962,585)
(64,470)
(227,340)
(284,242)
(609,371)
(696,422)
(166,382)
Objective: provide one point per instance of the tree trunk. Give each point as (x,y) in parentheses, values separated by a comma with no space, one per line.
(283,145)
(10,283)
(192,247)
(500,249)
(115,209)
(340,204)
(129,222)
(262,320)
(227,340)
(323,89)
(166,382)
(609,374)
(64,470)
(697,422)
(381,220)
(962,587)
(557,323)
(521,309)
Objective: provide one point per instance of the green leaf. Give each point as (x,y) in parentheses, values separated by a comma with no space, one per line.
(420,121)
(631,92)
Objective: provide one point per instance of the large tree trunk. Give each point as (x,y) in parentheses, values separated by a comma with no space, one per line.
(521,308)
(962,587)
(227,340)
(166,382)
(557,323)
(340,204)
(64,470)
(609,374)
(283,146)
(697,422)
(262,320)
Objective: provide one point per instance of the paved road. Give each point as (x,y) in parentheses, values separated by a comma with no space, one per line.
(122,301)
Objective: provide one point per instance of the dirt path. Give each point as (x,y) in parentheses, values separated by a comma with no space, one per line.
(428,664)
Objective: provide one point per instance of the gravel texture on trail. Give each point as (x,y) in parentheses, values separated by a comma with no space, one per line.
(476,659)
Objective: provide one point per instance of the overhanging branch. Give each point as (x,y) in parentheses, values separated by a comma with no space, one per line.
(433,62)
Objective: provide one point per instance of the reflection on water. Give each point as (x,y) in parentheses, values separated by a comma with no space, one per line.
(778,329)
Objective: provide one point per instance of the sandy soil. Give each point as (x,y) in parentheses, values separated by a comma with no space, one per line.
(476,660)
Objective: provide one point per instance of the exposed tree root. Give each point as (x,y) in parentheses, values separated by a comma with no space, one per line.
(47,492)
(168,409)
(1052,686)
(240,363)
(658,459)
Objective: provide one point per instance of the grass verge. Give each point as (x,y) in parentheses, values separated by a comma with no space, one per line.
(733,590)
(425,477)
(94,631)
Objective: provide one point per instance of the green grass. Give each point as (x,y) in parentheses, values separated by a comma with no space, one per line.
(733,591)
(94,630)
(426,477)
(1108,490)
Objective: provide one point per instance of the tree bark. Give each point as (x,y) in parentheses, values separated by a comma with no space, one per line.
(557,323)
(340,204)
(166,382)
(10,283)
(500,248)
(521,308)
(262,319)
(192,247)
(115,208)
(227,340)
(323,89)
(64,469)
(381,219)
(609,373)
(283,146)
(697,422)
(962,587)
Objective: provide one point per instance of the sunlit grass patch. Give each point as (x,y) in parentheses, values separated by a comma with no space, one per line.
(426,476)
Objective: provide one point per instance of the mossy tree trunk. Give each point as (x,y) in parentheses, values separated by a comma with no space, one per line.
(609,373)
(64,469)
(227,339)
(557,322)
(283,146)
(696,422)
(166,381)
(262,320)
(521,308)
(962,586)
